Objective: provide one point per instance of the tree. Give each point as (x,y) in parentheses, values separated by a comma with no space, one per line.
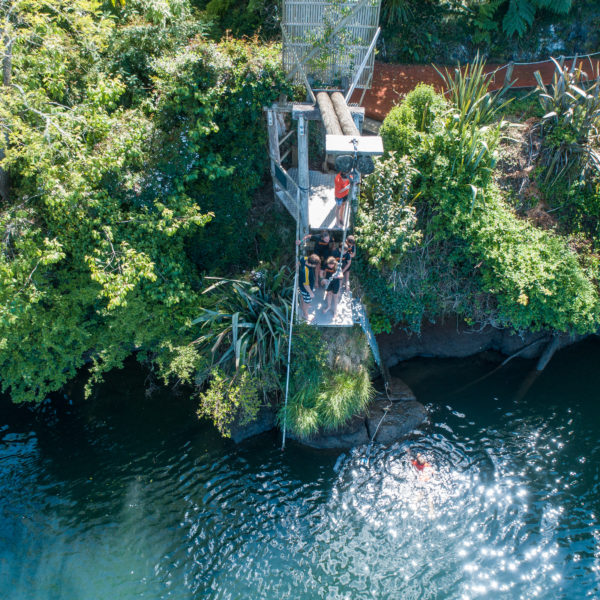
(109,190)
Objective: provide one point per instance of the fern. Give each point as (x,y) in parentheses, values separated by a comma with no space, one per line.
(561,7)
(518,17)
(520,13)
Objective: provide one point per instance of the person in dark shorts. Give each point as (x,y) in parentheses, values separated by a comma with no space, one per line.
(331,280)
(342,191)
(346,259)
(351,249)
(306,281)
(322,249)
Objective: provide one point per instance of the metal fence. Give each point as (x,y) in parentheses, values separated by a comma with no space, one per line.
(331,38)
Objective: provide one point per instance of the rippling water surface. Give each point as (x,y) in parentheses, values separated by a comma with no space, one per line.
(130,497)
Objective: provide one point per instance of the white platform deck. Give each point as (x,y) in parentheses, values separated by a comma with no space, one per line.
(344,316)
(371,145)
(321,202)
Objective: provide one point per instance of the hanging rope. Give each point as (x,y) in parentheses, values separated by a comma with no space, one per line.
(294,300)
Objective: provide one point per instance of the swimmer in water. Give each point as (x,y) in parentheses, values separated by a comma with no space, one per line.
(424,470)
(422,466)
(420,463)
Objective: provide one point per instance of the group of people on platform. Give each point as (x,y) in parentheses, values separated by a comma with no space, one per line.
(320,270)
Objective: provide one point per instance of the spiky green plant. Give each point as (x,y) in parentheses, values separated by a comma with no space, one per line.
(570,129)
(468,89)
(246,323)
(243,335)
(473,117)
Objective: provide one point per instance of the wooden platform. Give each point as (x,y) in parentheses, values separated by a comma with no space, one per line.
(370,145)
(345,311)
(321,202)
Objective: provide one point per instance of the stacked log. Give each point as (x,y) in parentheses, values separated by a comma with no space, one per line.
(343,115)
(328,114)
(349,127)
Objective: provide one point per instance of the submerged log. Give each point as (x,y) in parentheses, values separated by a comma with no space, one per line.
(548,353)
(328,114)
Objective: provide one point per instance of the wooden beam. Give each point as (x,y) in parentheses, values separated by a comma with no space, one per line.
(328,114)
(343,114)
(311,112)
(303,173)
(273,136)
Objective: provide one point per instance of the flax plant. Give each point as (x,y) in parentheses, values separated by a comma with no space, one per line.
(473,118)
(246,326)
(570,129)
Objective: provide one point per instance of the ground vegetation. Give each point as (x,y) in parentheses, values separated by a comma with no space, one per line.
(492,264)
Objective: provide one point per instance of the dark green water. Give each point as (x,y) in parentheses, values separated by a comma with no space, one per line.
(130,497)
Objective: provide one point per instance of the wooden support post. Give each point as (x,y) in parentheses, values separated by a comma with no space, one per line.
(358,121)
(328,115)
(273,136)
(303,173)
(274,154)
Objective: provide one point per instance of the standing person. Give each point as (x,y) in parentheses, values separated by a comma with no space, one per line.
(331,280)
(322,249)
(351,249)
(342,192)
(306,280)
(346,259)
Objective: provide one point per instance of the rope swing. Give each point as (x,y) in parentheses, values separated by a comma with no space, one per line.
(294,300)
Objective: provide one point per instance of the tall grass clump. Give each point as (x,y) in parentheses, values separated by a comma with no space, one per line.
(326,391)
(570,127)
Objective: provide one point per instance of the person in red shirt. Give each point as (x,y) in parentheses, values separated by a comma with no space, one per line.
(420,463)
(342,192)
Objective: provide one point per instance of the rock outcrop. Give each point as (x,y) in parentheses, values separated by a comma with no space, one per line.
(388,421)
(453,338)
(265,421)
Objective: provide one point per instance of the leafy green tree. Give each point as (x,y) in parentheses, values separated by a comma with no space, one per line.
(107,196)
(517,15)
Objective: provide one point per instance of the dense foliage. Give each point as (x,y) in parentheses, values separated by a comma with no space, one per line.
(329,382)
(510,272)
(444,31)
(103,239)
(242,343)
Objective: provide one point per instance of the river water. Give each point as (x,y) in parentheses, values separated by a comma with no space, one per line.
(127,496)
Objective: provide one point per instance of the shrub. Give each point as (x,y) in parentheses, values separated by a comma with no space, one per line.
(244,329)
(535,278)
(415,115)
